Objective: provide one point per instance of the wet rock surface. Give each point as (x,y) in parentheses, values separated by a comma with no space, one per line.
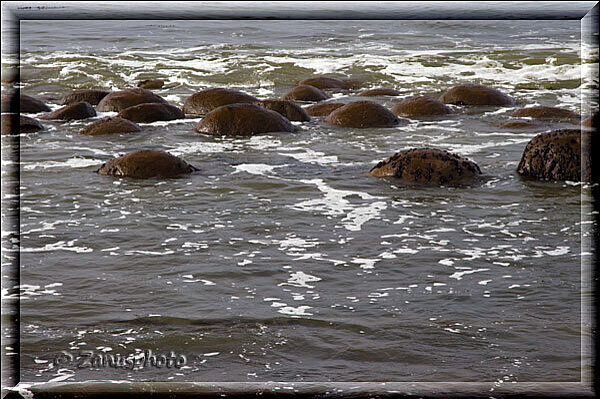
(151,112)
(421,106)
(289,109)
(151,84)
(364,114)
(27,104)
(305,93)
(322,109)
(205,101)
(69,112)
(546,113)
(92,96)
(110,126)
(327,82)
(473,94)
(381,91)
(143,164)
(26,124)
(119,100)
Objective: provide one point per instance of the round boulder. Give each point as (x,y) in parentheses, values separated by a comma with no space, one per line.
(204,101)
(92,96)
(143,164)
(69,112)
(322,109)
(27,104)
(119,100)
(550,113)
(289,109)
(364,114)
(305,93)
(243,120)
(518,124)
(151,112)
(427,165)
(553,155)
(26,124)
(110,126)
(472,94)
(151,84)
(326,82)
(421,106)
(381,91)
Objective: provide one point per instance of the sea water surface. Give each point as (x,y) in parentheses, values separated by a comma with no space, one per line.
(281,259)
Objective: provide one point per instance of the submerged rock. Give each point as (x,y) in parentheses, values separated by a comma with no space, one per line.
(143,164)
(519,124)
(421,106)
(26,124)
(151,84)
(119,100)
(322,109)
(305,93)
(243,120)
(289,109)
(326,82)
(549,113)
(110,126)
(381,91)
(27,104)
(151,112)
(69,112)
(205,101)
(472,94)
(427,165)
(92,96)
(364,114)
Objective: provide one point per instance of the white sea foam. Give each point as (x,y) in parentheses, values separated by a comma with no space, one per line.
(301,279)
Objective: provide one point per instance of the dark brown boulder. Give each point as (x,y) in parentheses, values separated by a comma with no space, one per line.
(151,112)
(322,109)
(119,100)
(110,126)
(326,82)
(381,91)
(549,113)
(26,124)
(421,106)
(92,96)
(205,101)
(472,94)
(27,104)
(427,165)
(364,114)
(243,120)
(305,93)
(143,164)
(69,112)
(591,121)
(151,84)
(553,155)
(518,124)
(289,109)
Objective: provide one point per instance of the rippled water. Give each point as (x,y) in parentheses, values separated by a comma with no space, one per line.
(282,259)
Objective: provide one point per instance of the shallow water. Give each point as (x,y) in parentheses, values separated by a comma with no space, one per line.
(282,259)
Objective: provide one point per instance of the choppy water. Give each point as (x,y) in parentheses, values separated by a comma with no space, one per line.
(281,259)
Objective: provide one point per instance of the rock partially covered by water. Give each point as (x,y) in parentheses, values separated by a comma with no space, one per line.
(205,101)
(119,100)
(26,124)
(143,164)
(75,111)
(381,91)
(427,165)
(110,126)
(549,113)
(27,104)
(305,93)
(326,82)
(518,124)
(92,96)
(243,120)
(151,84)
(421,106)
(472,94)
(289,109)
(553,155)
(151,112)
(364,114)
(322,109)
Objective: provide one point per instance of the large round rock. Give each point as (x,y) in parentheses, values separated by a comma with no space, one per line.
(553,155)
(75,111)
(549,113)
(119,100)
(143,164)
(473,94)
(322,109)
(204,101)
(92,96)
(427,165)
(151,84)
(26,124)
(27,104)
(364,114)
(326,82)
(110,126)
(305,93)
(151,112)
(381,91)
(243,120)
(289,109)
(421,106)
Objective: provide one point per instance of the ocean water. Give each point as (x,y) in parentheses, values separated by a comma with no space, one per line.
(281,259)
